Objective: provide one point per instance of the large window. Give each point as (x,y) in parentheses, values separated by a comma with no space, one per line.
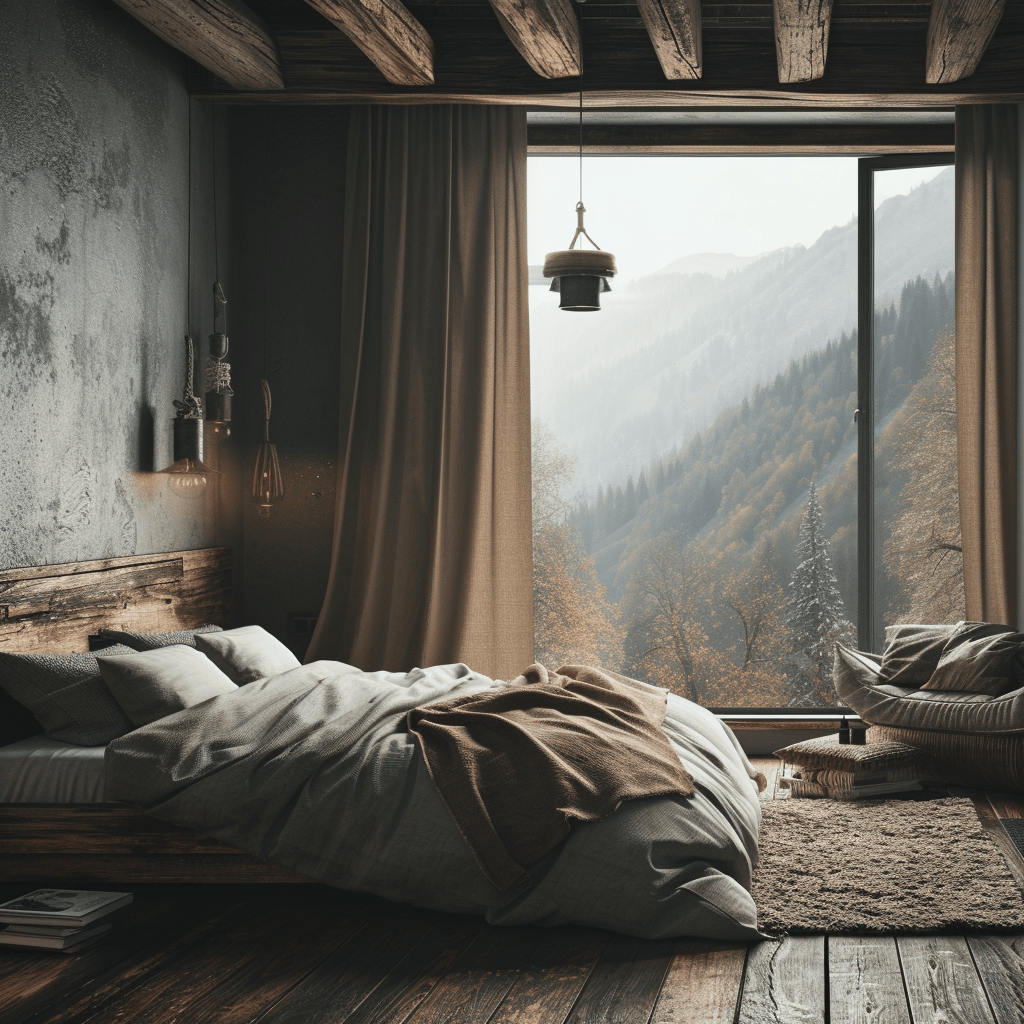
(729,475)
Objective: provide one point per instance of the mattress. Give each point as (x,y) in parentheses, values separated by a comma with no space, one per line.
(38,770)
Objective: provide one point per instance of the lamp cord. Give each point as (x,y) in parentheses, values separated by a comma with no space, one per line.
(580,2)
(266,233)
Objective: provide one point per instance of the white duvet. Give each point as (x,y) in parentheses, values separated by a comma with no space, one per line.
(314,770)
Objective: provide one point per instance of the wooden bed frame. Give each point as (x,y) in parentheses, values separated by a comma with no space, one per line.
(56,608)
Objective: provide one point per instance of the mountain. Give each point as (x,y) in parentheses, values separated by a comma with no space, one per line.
(669,352)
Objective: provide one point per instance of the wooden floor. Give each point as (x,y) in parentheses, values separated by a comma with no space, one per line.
(312,955)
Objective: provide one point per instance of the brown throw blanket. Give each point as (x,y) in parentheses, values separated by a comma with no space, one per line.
(516,767)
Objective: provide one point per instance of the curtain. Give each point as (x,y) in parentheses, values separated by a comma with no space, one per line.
(986,356)
(432,558)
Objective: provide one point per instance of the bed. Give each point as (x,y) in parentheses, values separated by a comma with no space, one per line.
(313,772)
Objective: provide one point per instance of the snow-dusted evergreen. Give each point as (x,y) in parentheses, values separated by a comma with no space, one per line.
(815,615)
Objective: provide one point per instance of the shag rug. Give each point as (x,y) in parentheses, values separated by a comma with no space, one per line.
(874,866)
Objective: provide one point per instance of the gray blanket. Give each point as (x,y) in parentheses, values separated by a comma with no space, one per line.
(314,770)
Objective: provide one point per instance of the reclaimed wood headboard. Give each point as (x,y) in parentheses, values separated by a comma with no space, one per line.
(56,607)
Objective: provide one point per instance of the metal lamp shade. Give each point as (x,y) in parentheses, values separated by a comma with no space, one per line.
(188,475)
(267,481)
(580,276)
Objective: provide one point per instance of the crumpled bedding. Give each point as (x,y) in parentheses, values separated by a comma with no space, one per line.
(315,770)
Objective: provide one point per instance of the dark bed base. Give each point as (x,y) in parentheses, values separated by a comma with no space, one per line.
(49,844)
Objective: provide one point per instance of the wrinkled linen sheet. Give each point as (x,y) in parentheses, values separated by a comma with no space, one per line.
(314,770)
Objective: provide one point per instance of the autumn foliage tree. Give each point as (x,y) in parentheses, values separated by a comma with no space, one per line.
(573,623)
(923,552)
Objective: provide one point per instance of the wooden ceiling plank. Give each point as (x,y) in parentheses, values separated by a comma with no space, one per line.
(675,30)
(801,38)
(224,36)
(388,34)
(959,32)
(545,32)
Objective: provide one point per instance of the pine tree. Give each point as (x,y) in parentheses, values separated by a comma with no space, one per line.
(815,615)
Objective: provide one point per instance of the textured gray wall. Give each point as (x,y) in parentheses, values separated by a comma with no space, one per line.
(94,120)
(300,207)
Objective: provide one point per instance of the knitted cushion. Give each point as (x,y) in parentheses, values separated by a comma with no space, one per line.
(16,721)
(990,665)
(151,641)
(827,752)
(66,695)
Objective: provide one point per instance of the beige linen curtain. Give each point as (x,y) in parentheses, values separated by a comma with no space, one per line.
(986,356)
(432,556)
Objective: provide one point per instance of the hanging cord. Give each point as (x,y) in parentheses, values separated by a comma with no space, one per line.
(217,374)
(189,407)
(266,234)
(580,208)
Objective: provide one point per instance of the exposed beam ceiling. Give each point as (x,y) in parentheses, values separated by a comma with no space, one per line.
(224,36)
(545,32)
(388,34)
(876,53)
(675,30)
(801,38)
(958,33)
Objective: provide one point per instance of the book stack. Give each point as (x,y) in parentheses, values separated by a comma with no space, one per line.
(62,919)
(843,785)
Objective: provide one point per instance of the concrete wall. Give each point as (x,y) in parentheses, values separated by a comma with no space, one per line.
(300,208)
(94,187)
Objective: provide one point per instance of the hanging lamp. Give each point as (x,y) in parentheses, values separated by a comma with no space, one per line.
(580,275)
(218,373)
(187,476)
(267,480)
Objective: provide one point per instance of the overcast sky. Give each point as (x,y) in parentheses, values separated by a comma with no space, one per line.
(650,211)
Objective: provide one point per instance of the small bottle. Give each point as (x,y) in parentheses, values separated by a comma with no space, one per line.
(844,730)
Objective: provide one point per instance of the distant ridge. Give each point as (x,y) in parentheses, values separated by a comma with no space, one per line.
(718,264)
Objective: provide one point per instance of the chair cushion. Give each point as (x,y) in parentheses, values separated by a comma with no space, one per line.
(860,686)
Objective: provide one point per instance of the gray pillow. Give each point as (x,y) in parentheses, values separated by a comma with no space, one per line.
(912,652)
(66,694)
(989,665)
(247,653)
(151,641)
(154,684)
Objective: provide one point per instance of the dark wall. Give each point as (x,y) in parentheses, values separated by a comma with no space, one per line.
(94,190)
(288,188)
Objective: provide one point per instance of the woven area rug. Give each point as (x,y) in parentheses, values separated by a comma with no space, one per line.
(872,866)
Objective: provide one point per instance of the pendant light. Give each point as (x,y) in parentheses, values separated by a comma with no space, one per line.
(580,275)
(267,480)
(218,373)
(187,476)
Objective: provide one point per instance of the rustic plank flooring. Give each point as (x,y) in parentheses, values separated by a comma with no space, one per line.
(281,954)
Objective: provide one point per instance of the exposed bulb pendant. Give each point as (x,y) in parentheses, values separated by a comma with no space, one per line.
(188,475)
(267,481)
(579,275)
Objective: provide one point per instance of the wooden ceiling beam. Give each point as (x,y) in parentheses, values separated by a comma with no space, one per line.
(545,32)
(959,32)
(801,38)
(388,34)
(224,36)
(675,31)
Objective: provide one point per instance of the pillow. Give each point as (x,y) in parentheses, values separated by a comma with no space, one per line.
(154,684)
(912,652)
(151,641)
(66,695)
(828,753)
(987,665)
(16,721)
(247,653)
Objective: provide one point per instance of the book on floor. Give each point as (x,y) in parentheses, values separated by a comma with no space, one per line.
(25,940)
(62,907)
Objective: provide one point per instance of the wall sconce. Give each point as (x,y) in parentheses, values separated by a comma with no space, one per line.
(187,476)
(267,481)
